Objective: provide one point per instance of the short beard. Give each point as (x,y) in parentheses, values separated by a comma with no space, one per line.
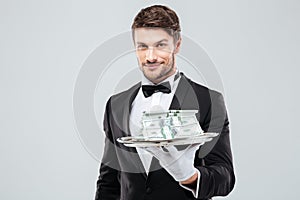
(163,73)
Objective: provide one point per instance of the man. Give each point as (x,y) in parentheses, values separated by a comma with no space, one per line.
(163,173)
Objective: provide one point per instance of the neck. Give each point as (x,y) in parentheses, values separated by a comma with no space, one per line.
(171,73)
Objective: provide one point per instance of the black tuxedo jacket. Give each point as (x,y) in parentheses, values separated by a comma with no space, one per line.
(122,175)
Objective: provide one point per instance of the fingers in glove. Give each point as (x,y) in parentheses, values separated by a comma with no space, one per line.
(155,151)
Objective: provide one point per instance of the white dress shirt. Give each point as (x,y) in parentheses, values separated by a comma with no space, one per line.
(157,101)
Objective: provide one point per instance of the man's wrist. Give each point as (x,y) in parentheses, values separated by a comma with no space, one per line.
(191,181)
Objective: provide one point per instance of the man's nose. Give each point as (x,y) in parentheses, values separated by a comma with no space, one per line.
(151,55)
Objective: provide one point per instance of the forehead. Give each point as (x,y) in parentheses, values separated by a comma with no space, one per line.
(151,35)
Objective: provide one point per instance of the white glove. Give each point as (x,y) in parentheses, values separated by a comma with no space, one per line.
(179,164)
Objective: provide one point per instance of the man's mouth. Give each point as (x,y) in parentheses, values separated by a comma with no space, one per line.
(152,65)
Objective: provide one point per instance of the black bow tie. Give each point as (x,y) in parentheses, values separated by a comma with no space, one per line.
(148,90)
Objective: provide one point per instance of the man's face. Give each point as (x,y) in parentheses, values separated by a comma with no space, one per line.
(155,50)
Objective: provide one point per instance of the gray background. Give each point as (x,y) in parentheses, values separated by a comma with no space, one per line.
(43,44)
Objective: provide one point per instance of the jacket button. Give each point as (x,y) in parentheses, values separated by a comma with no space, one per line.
(148,190)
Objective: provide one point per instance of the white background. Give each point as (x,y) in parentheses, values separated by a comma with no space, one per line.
(43,44)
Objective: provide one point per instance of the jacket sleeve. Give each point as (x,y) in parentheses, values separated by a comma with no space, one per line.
(216,168)
(108,185)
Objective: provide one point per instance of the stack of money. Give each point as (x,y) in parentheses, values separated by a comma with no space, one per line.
(170,124)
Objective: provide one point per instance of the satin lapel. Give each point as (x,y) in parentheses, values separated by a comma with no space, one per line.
(127,108)
(126,117)
(184,90)
(121,106)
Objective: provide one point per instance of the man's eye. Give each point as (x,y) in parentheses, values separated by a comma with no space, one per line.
(161,45)
(142,46)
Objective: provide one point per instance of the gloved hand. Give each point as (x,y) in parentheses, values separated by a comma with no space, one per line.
(179,164)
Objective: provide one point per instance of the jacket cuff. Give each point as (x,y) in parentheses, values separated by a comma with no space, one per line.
(195,191)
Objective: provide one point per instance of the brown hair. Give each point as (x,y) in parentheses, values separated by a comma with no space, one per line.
(158,16)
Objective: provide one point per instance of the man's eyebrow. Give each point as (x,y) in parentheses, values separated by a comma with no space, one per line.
(163,40)
(140,42)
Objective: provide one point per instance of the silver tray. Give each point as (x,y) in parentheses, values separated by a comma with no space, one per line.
(140,141)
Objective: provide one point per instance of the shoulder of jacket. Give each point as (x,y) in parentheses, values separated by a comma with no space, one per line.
(122,94)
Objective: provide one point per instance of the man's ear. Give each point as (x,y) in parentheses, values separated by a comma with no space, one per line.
(177,45)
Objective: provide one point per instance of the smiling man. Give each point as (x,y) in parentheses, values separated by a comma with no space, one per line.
(155,50)
(163,173)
